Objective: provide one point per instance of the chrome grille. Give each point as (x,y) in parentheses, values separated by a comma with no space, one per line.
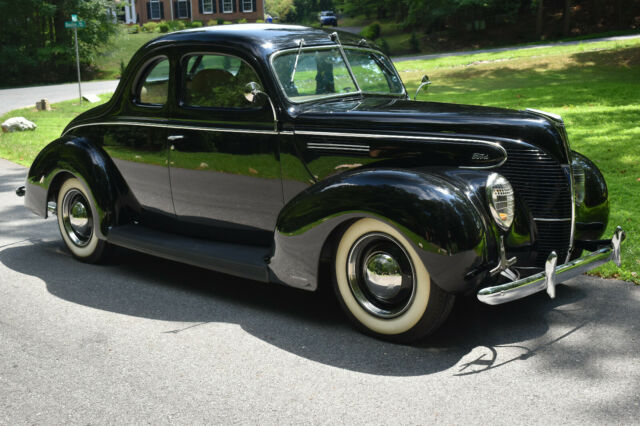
(540,180)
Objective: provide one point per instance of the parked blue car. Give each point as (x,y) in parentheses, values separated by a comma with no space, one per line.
(327,17)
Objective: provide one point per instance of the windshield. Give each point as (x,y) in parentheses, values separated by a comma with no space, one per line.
(322,72)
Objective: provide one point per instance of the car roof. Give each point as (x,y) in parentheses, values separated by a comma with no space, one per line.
(262,39)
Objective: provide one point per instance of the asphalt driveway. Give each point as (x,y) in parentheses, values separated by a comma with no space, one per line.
(144,340)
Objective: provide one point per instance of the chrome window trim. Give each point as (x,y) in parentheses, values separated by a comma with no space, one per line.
(178,126)
(334,95)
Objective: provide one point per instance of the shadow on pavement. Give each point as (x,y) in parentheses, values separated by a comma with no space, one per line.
(309,325)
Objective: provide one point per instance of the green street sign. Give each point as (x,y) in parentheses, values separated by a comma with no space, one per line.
(78,24)
(74,17)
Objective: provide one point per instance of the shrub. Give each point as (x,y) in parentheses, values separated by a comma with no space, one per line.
(178,25)
(242,21)
(220,21)
(384,46)
(227,23)
(371,31)
(134,29)
(414,42)
(163,27)
(196,24)
(259,21)
(150,27)
(212,22)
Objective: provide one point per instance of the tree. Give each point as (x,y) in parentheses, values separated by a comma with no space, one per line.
(35,47)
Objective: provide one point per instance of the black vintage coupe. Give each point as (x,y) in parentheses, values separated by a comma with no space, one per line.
(271,152)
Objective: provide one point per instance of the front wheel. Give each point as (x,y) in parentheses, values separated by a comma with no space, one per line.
(384,287)
(78,222)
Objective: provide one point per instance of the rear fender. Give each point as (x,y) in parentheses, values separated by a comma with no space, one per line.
(78,157)
(446,229)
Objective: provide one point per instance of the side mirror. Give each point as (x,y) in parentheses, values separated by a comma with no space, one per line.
(252,91)
(425,82)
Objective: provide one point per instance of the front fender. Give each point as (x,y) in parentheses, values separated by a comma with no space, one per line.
(91,165)
(592,211)
(441,222)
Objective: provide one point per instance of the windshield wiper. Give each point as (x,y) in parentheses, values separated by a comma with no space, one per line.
(334,37)
(295,65)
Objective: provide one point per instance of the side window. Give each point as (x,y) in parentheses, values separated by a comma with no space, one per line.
(217,81)
(154,86)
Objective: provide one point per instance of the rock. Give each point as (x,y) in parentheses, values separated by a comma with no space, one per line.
(17,124)
(91,98)
(43,105)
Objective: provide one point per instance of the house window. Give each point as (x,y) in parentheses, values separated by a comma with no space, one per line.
(247,5)
(183,9)
(207,6)
(227,6)
(155,9)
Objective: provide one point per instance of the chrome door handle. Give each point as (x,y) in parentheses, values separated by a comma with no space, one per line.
(175,137)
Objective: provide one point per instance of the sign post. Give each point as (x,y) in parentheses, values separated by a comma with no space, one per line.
(75,24)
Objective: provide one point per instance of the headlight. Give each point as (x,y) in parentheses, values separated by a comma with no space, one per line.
(500,200)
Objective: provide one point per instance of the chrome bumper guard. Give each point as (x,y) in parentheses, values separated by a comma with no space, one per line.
(553,274)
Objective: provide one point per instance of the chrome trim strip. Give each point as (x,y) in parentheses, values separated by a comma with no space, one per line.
(387,136)
(176,126)
(409,137)
(543,219)
(569,172)
(336,144)
(552,274)
(493,166)
(338,148)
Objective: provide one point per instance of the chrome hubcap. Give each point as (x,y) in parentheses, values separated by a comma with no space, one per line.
(381,275)
(76,217)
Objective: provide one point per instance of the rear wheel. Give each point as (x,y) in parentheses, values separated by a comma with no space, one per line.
(384,287)
(78,222)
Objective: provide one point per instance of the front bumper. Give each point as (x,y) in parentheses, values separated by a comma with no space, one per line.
(553,274)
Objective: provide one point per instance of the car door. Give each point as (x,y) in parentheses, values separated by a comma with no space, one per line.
(223,156)
(134,136)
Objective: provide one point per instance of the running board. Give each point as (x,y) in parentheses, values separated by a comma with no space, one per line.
(234,259)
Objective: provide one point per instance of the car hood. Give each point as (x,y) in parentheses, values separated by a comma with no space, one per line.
(394,116)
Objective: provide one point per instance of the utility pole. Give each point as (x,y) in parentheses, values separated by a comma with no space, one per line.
(75,30)
(75,24)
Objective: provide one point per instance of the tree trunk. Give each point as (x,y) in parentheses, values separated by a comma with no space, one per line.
(539,19)
(566,18)
(58,21)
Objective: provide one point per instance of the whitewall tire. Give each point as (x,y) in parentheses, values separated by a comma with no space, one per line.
(78,221)
(383,286)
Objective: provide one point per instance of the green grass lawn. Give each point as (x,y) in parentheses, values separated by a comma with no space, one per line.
(595,87)
(120,50)
(22,147)
(596,91)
